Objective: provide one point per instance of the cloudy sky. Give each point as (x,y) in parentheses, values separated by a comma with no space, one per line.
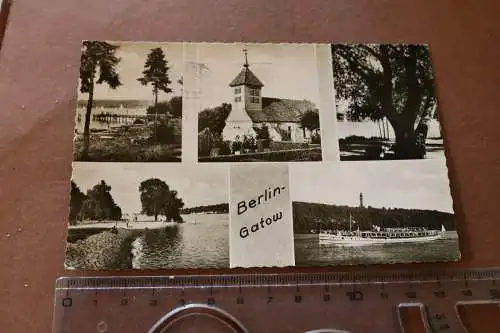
(133,56)
(286,70)
(419,184)
(197,186)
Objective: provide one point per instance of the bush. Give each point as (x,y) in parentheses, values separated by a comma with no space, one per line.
(164,133)
(139,121)
(249,142)
(316,138)
(225,148)
(236,146)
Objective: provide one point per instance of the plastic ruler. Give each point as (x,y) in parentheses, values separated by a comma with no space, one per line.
(356,302)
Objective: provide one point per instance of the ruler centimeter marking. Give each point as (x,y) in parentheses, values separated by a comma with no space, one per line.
(308,301)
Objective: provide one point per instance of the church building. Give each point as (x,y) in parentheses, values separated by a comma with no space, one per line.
(250,111)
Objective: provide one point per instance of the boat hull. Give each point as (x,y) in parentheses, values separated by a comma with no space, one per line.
(358,241)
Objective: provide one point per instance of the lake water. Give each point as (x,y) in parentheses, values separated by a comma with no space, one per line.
(202,241)
(309,252)
(103,125)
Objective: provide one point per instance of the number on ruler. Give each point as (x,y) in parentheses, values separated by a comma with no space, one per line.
(355,295)
(67,302)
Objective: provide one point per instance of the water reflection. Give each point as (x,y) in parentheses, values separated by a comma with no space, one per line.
(202,241)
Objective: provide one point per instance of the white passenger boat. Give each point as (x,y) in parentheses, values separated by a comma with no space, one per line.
(379,235)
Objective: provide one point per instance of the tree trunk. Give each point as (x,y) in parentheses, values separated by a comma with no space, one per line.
(155,92)
(407,146)
(86,128)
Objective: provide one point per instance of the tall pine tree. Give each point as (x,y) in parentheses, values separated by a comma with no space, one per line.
(156,73)
(97,65)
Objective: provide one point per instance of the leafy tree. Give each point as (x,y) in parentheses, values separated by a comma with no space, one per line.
(173,107)
(310,120)
(98,65)
(214,119)
(156,73)
(160,108)
(176,106)
(99,204)
(158,199)
(393,81)
(77,197)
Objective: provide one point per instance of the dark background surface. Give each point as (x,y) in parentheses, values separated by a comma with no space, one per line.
(39,70)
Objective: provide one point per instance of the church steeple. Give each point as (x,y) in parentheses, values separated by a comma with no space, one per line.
(246,77)
(245,50)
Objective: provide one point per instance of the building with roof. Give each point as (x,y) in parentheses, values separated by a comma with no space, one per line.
(250,111)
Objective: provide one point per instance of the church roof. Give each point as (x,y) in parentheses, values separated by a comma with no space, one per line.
(277,110)
(246,78)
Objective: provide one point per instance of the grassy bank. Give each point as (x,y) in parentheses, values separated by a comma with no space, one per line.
(123,149)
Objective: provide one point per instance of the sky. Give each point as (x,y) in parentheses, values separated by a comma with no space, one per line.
(133,56)
(417,184)
(197,186)
(286,70)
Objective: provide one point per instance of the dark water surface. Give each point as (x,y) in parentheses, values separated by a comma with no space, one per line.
(202,241)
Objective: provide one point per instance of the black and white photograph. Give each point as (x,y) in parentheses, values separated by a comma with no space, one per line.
(147,215)
(373,213)
(129,104)
(258,102)
(386,102)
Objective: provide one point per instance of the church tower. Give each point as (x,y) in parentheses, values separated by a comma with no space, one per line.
(246,101)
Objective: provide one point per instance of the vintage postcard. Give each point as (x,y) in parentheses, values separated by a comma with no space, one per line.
(225,155)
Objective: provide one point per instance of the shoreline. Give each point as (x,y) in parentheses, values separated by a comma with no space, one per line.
(123,225)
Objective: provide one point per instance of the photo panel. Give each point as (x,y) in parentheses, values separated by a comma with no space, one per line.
(260,102)
(129,102)
(260,211)
(386,102)
(148,215)
(373,213)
